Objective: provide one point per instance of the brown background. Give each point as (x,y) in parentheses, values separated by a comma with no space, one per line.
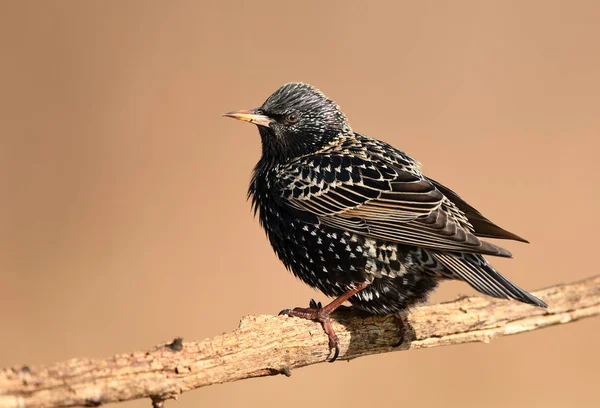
(123,216)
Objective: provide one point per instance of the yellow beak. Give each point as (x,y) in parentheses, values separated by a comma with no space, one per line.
(250,116)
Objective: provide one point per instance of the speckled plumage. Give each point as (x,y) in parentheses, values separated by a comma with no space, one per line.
(342,209)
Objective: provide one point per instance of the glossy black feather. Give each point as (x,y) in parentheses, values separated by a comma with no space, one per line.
(341,208)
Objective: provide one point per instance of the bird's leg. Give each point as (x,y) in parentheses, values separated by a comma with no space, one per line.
(321,314)
(399,317)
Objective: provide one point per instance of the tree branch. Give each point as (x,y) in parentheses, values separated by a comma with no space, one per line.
(268,345)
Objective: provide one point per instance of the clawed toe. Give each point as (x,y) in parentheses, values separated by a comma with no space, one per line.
(316,313)
(336,350)
(320,313)
(315,305)
(401,330)
(400,340)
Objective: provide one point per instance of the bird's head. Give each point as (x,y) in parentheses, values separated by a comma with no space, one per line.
(294,121)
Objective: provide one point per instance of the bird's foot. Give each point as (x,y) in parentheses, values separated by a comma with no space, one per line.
(317,313)
(321,314)
(402,329)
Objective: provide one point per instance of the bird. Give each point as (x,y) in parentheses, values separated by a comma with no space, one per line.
(355,217)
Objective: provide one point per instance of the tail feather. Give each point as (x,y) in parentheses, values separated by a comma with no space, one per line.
(475,270)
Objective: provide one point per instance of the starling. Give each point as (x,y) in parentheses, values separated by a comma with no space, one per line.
(355,218)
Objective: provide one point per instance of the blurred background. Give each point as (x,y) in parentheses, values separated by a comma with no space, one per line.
(123,213)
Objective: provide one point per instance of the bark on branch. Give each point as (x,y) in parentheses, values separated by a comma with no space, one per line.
(268,345)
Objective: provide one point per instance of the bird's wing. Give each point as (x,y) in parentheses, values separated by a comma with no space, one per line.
(379,199)
(482,227)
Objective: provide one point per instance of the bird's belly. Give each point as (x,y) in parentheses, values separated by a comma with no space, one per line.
(387,295)
(334,261)
(323,257)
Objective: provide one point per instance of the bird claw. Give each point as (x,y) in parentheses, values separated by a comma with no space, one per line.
(314,305)
(336,347)
(302,312)
(321,314)
(401,330)
(400,340)
(316,313)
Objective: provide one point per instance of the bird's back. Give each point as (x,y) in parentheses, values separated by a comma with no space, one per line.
(360,209)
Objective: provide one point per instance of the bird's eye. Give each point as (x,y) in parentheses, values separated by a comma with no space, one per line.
(291,118)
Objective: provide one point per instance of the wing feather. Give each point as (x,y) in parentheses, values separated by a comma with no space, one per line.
(382,199)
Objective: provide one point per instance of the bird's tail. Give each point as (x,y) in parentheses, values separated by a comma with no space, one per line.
(474,269)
